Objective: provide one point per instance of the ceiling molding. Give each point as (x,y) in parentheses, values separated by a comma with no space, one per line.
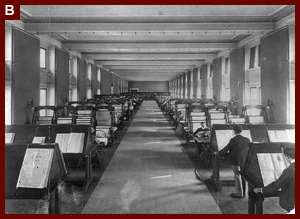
(149,63)
(274,31)
(64,28)
(145,37)
(283,12)
(224,54)
(75,54)
(14,23)
(47,41)
(146,71)
(147,67)
(252,40)
(289,20)
(25,14)
(151,46)
(147,19)
(124,57)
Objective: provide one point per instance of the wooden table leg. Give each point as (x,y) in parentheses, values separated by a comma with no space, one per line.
(251,205)
(188,138)
(216,171)
(88,171)
(259,208)
(51,201)
(254,206)
(54,202)
(57,201)
(213,167)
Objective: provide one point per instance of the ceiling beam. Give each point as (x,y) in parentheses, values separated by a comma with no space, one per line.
(146,67)
(159,74)
(147,19)
(149,70)
(141,74)
(151,75)
(130,37)
(150,78)
(226,27)
(149,63)
(122,57)
(151,46)
(149,51)
(147,79)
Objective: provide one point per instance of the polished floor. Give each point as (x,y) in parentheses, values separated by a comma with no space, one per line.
(150,174)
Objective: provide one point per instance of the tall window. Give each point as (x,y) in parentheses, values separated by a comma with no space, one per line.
(186,86)
(252,94)
(181,88)
(226,65)
(70,94)
(199,93)
(51,86)
(73,81)
(89,77)
(89,71)
(99,81)
(7,103)
(225,88)
(178,86)
(42,58)
(258,55)
(43,100)
(252,57)
(112,88)
(192,86)
(173,87)
(70,66)
(209,93)
(291,100)
(43,97)
(89,93)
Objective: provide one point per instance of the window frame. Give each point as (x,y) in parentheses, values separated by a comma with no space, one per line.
(252,57)
(45,60)
(211,72)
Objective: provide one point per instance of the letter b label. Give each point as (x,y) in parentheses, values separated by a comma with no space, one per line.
(9,10)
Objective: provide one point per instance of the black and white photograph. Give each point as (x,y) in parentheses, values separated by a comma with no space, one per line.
(150,109)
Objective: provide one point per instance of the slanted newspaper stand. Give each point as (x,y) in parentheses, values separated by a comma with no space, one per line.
(180,117)
(65,115)
(281,133)
(23,134)
(118,115)
(34,171)
(195,116)
(264,164)
(80,156)
(170,110)
(44,115)
(84,115)
(220,137)
(104,129)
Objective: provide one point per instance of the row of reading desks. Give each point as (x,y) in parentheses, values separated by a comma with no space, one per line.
(265,161)
(62,140)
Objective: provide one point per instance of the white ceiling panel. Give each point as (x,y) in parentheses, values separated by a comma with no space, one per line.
(151,42)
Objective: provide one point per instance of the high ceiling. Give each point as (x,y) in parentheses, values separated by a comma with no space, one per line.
(151,42)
